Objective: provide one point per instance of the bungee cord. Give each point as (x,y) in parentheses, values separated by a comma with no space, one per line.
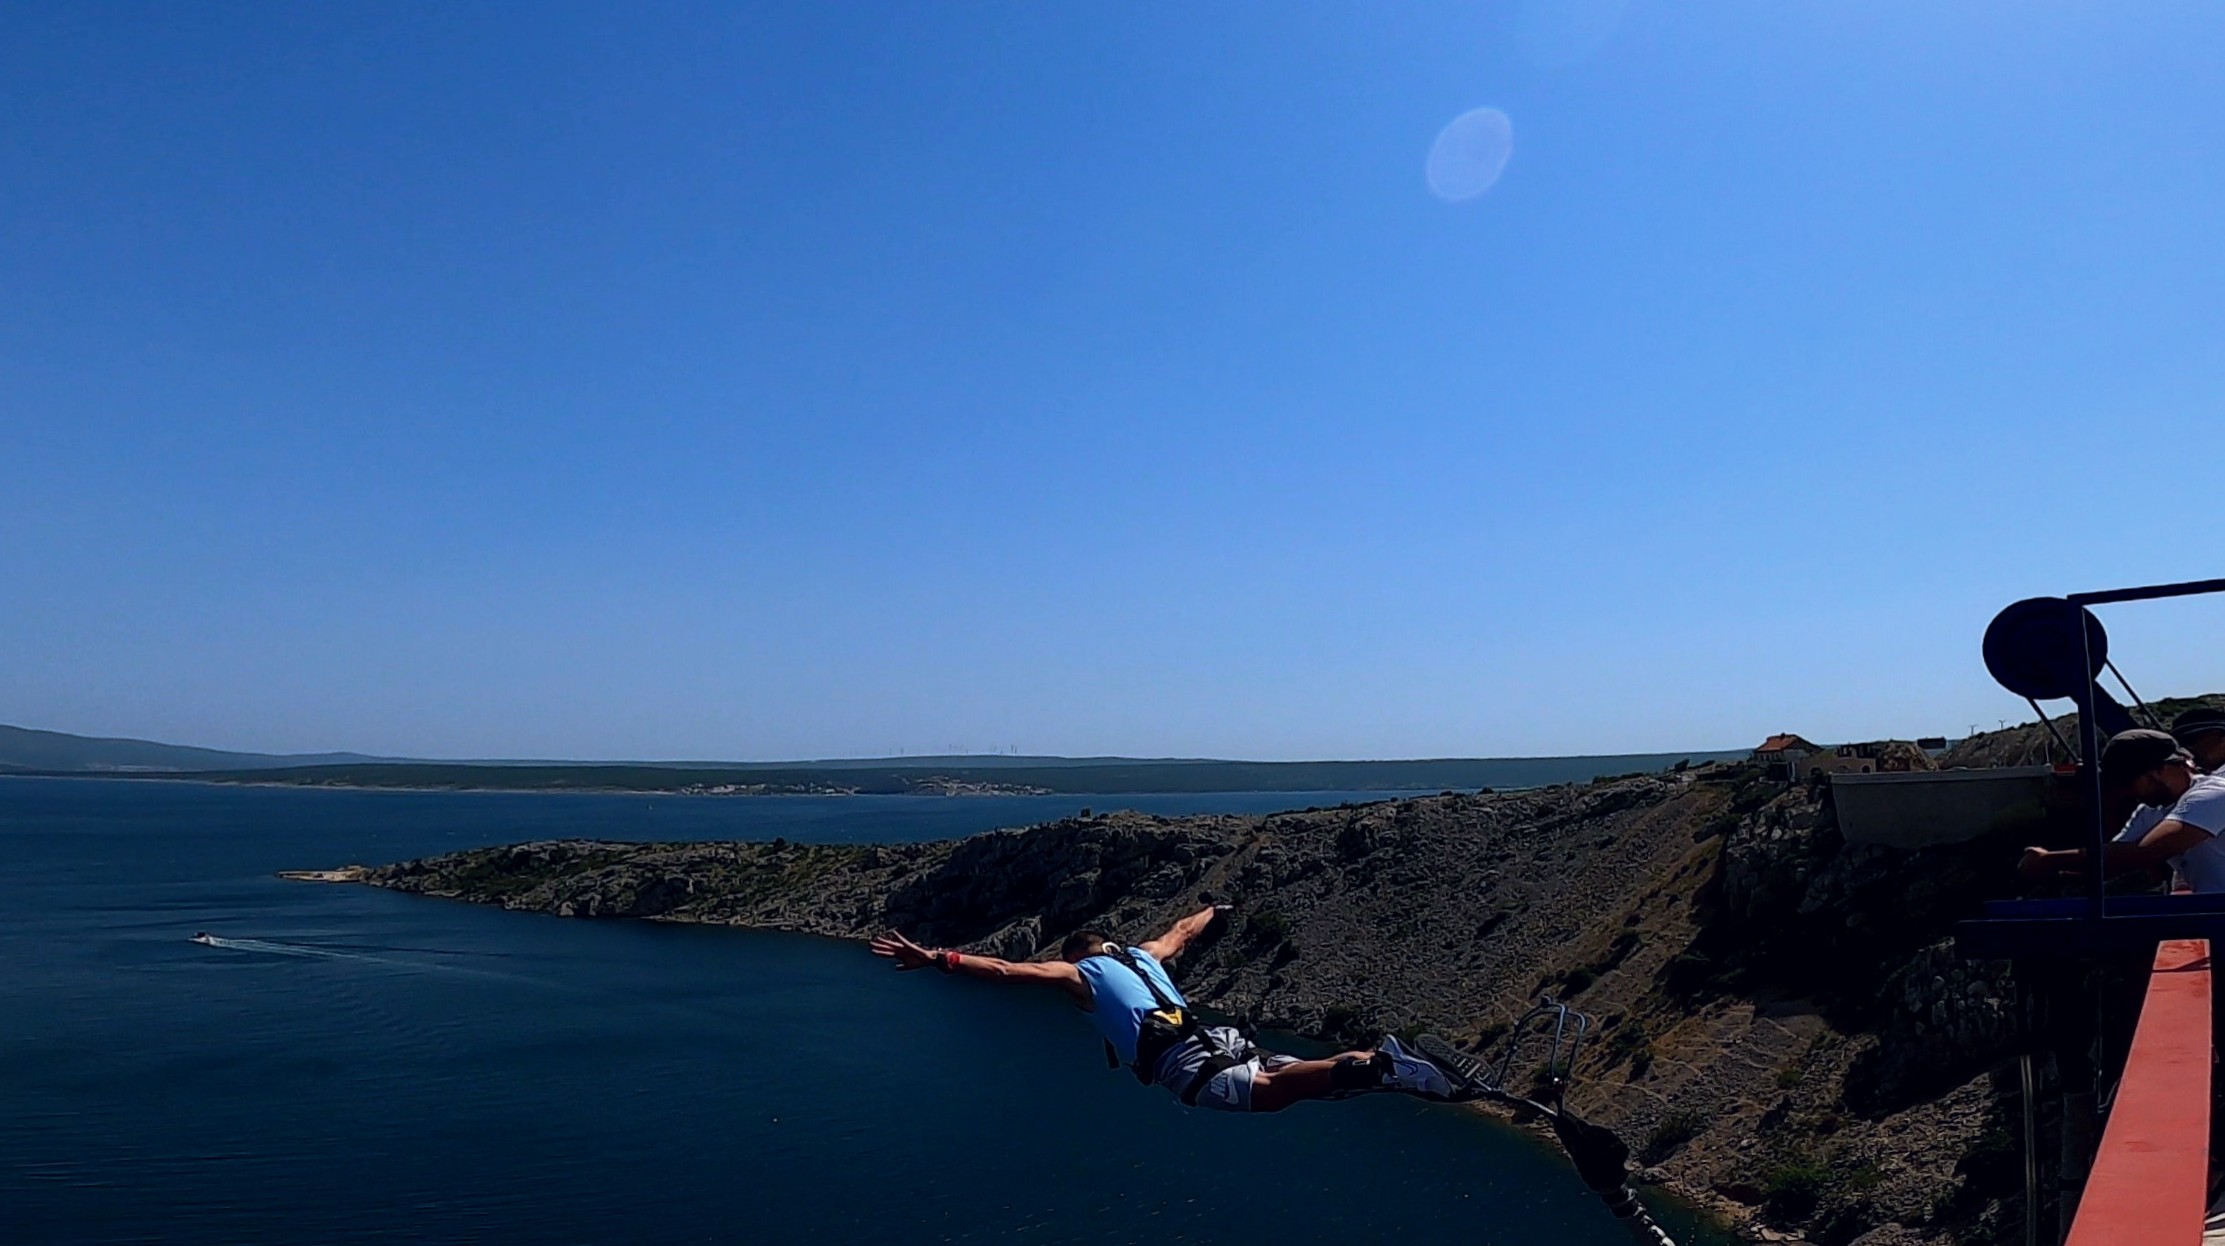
(1601,1159)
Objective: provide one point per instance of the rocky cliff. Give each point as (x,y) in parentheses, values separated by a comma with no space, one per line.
(1784,1032)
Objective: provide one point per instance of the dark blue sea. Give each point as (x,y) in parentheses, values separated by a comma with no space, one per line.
(352,1065)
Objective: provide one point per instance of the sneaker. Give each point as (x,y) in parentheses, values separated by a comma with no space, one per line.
(1465,1072)
(1409,1072)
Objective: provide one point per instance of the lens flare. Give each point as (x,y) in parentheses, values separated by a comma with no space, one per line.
(1470,153)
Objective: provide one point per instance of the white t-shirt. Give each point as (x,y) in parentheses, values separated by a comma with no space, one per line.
(2203,805)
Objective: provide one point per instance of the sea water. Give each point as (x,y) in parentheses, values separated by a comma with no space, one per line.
(343,1064)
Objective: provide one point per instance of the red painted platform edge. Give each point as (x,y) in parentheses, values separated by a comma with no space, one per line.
(2151,1174)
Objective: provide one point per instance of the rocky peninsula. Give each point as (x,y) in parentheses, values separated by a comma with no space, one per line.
(1785,1032)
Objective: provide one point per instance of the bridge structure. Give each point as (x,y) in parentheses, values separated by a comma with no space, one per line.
(2146,1181)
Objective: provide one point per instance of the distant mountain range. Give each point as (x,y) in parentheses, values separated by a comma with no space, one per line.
(23,750)
(59,752)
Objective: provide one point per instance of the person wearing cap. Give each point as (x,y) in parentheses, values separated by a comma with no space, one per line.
(2202,733)
(2180,818)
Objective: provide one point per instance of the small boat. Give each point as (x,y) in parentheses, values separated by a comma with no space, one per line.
(203,936)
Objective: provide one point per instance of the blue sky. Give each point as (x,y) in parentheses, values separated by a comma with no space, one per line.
(666,381)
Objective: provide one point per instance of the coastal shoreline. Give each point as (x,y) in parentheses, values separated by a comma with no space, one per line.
(1748,969)
(674,793)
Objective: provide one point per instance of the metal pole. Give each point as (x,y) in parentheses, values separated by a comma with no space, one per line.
(2049,723)
(2076,1155)
(2031,1154)
(2126,684)
(2149,593)
(2089,756)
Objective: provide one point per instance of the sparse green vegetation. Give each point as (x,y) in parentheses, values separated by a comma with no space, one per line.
(1343,1024)
(1267,927)
(1669,1133)
(1625,1041)
(1575,980)
(1793,1187)
(1618,951)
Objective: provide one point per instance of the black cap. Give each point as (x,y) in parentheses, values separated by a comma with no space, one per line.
(2130,754)
(2196,721)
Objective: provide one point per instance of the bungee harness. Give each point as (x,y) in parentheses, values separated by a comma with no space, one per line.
(1167,1027)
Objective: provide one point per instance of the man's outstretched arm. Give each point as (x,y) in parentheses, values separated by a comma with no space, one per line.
(910,955)
(2168,839)
(1169,945)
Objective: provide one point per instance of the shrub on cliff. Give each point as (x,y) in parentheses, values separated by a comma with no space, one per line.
(1669,1133)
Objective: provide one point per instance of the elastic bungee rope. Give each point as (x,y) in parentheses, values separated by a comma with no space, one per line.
(1601,1159)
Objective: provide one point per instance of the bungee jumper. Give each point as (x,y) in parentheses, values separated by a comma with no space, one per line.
(1150,1028)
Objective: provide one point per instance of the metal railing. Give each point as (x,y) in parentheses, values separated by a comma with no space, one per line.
(2149,1183)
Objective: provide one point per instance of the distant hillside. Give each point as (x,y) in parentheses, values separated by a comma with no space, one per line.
(55,752)
(1094,777)
(22,748)
(2030,742)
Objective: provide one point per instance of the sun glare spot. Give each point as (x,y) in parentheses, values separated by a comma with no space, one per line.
(1470,153)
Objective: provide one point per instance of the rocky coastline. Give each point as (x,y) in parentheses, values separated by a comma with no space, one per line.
(1786,1036)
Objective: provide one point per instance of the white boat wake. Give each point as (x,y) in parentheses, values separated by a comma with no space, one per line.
(315,952)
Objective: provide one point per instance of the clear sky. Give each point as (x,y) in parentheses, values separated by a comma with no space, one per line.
(839,379)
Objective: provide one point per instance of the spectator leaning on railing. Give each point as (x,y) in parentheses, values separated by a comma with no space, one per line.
(2180,818)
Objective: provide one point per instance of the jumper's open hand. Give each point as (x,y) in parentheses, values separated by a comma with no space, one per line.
(906,954)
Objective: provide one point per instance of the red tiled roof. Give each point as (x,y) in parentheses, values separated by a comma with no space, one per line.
(1780,742)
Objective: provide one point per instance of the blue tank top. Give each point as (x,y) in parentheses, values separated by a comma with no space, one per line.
(1119,999)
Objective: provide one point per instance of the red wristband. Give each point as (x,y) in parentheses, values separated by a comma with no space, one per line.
(949,961)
